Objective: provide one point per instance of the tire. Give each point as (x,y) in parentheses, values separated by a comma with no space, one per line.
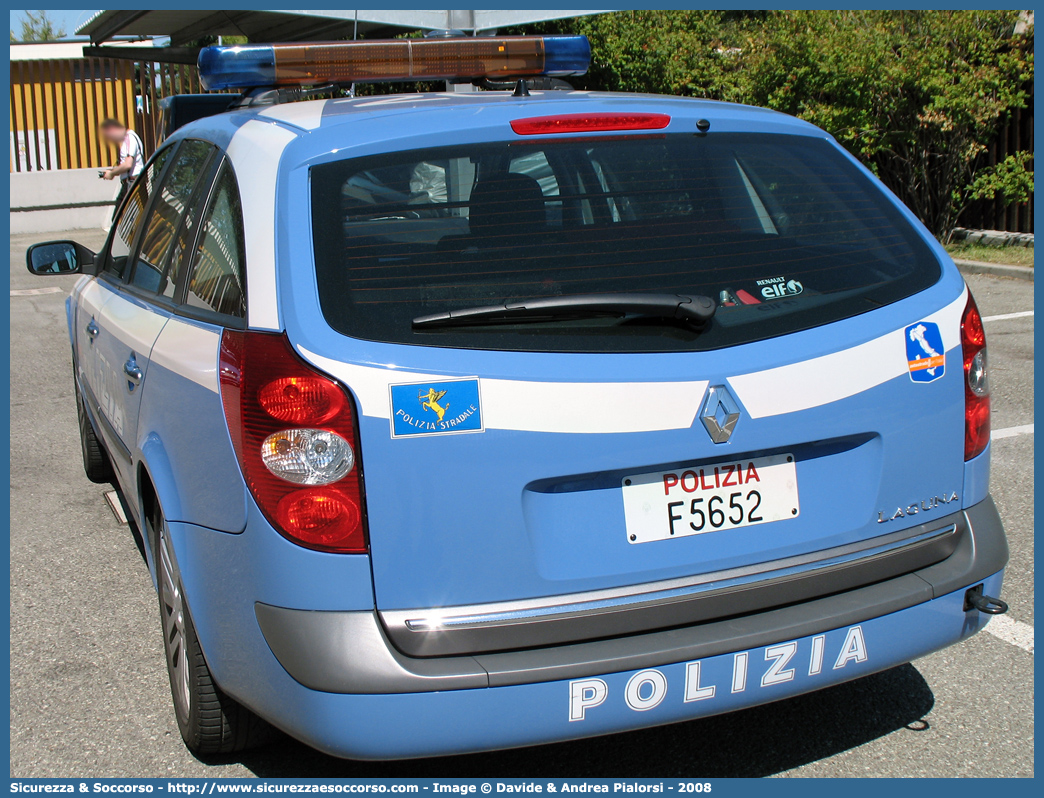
(210,722)
(95,459)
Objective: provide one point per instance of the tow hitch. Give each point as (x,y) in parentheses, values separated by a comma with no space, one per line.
(974,599)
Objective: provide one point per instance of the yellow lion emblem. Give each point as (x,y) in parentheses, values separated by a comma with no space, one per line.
(430,401)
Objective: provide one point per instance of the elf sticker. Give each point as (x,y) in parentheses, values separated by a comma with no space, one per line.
(779,287)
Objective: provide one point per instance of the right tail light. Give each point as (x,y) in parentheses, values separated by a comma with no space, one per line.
(976,382)
(294,432)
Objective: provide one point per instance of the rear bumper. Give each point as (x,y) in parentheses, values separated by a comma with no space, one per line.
(333,679)
(349,652)
(460,721)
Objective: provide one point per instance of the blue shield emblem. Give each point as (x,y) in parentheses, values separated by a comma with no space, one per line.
(435,408)
(925,354)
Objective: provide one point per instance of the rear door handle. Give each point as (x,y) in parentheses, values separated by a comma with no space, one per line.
(133,373)
(92,330)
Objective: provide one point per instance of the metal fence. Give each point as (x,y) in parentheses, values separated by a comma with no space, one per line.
(1014,135)
(157,80)
(57,105)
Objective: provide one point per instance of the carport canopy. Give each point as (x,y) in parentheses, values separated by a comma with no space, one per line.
(183,26)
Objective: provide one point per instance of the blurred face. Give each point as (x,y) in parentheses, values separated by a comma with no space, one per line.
(113,134)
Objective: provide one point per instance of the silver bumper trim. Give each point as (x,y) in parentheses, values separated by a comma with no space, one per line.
(524,611)
(655,605)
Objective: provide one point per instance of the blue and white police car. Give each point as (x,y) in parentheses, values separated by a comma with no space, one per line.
(467,420)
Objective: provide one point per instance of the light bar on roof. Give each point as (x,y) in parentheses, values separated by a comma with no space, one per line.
(255,65)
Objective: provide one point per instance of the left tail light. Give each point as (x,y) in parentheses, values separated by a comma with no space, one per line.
(295,435)
(976,382)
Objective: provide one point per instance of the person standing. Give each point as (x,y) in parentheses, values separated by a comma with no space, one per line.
(131,160)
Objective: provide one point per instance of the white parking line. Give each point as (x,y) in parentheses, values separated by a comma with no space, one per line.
(1021,314)
(1011,432)
(1011,631)
(51,289)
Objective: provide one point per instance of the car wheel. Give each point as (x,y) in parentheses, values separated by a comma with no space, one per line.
(210,722)
(95,459)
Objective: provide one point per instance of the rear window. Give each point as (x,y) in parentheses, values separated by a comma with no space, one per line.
(783,232)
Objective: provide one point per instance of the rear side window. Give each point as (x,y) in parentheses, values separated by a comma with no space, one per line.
(217,273)
(129,222)
(166,217)
(784,232)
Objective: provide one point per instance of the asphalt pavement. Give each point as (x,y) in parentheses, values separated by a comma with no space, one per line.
(89,692)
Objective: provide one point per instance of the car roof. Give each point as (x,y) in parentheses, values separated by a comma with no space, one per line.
(444,113)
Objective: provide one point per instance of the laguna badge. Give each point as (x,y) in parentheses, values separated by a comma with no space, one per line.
(884,516)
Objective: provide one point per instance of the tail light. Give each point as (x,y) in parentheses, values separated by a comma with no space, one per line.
(976,382)
(294,432)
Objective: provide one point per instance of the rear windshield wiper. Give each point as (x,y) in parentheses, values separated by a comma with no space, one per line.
(695,311)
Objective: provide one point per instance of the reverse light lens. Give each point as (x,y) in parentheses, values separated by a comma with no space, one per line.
(302,400)
(307,456)
(976,382)
(587,123)
(323,518)
(250,66)
(978,379)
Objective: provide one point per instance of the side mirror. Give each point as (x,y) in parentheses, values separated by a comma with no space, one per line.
(58,257)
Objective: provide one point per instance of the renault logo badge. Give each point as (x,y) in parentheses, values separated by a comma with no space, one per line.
(720,413)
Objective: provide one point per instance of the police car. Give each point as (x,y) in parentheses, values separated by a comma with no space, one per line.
(467,420)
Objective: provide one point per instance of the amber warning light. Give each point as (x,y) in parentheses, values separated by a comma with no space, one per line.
(255,65)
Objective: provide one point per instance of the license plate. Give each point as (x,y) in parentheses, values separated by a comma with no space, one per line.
(710,498)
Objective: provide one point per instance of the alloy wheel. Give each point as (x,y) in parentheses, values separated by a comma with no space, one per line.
(173,605)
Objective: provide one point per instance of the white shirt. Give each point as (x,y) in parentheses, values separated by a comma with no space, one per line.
(132,148)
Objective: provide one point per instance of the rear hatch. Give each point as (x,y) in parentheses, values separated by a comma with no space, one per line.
(534,455)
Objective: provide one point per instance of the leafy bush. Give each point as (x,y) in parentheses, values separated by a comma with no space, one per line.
(916,95)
